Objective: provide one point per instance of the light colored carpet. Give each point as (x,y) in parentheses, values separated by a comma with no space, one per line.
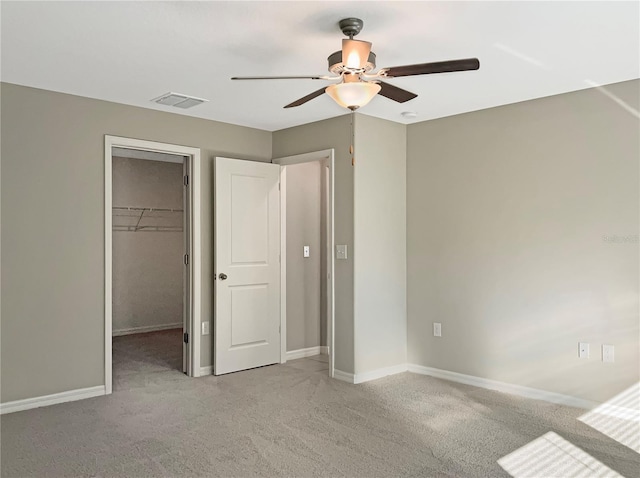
(139,359)
(292,420)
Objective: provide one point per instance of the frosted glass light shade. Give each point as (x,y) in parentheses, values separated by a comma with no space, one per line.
(355,53)
(353,95)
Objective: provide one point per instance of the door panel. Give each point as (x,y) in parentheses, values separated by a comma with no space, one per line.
(246,250)
(249,239)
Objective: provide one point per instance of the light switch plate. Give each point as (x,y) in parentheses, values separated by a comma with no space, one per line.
(205,328)
(305,251)
(341,251)
(437,329)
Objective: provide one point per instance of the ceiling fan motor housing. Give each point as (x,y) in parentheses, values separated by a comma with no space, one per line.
(351,26)
(337,67)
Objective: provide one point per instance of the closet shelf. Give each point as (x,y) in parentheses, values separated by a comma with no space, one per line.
(147,219)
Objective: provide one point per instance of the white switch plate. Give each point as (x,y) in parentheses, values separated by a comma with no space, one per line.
(437,329)
(205,328)
(583,350)
(608,353)
(341,251)
(305,251)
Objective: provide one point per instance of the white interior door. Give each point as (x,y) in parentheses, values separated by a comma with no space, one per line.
(246,265)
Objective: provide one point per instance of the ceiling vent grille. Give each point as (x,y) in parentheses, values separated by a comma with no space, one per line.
(178,100)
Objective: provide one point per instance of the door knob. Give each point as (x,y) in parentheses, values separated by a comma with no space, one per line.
(223,276)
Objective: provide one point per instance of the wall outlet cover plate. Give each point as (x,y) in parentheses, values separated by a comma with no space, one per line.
(583,350)
(608,353)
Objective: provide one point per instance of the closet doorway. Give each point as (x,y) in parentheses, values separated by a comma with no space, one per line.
(151,261)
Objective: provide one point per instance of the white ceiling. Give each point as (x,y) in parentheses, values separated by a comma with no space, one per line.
(131,52)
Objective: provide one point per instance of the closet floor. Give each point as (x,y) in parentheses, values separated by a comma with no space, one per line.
(143,359)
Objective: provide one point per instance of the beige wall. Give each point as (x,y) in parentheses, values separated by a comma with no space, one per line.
(147,265)
(521,237)
(304,279)
(53,228)
(512,214)
(380,244)
(333,133)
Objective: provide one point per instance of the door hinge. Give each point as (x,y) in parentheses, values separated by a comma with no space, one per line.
(185,337)
(186,259)
(185,180)
(278,186)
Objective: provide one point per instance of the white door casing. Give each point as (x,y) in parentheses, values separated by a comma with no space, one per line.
(328,156)
(246,265)
(193,247)
(186,275)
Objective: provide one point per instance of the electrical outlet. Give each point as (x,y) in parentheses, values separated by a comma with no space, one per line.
(608,353)
(205,328)
(583,350)
(437,329)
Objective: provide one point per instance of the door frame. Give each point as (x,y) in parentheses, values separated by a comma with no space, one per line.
(194,246)
(327,154)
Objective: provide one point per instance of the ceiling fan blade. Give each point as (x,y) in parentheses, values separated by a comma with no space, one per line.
(435,67)
(394,93)
(304,99)
(284,78)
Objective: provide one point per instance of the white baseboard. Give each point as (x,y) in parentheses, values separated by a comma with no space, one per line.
(513,389)
(368,376)
(302,353)
(46,400)
(343,376)
(324,350)
(208,370)
(144,329)
(381,372)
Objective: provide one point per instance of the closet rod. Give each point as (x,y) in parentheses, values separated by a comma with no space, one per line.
(157,209)
(147,229)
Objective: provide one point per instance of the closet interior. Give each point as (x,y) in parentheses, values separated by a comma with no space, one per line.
(148,231)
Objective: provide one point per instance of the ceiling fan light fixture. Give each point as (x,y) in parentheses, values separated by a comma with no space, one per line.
(355,53)
(353,95)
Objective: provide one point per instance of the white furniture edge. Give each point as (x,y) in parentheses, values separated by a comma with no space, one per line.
(145,328)
(504,387)
(46,400)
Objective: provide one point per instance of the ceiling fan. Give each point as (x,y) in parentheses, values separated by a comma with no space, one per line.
(353,68)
